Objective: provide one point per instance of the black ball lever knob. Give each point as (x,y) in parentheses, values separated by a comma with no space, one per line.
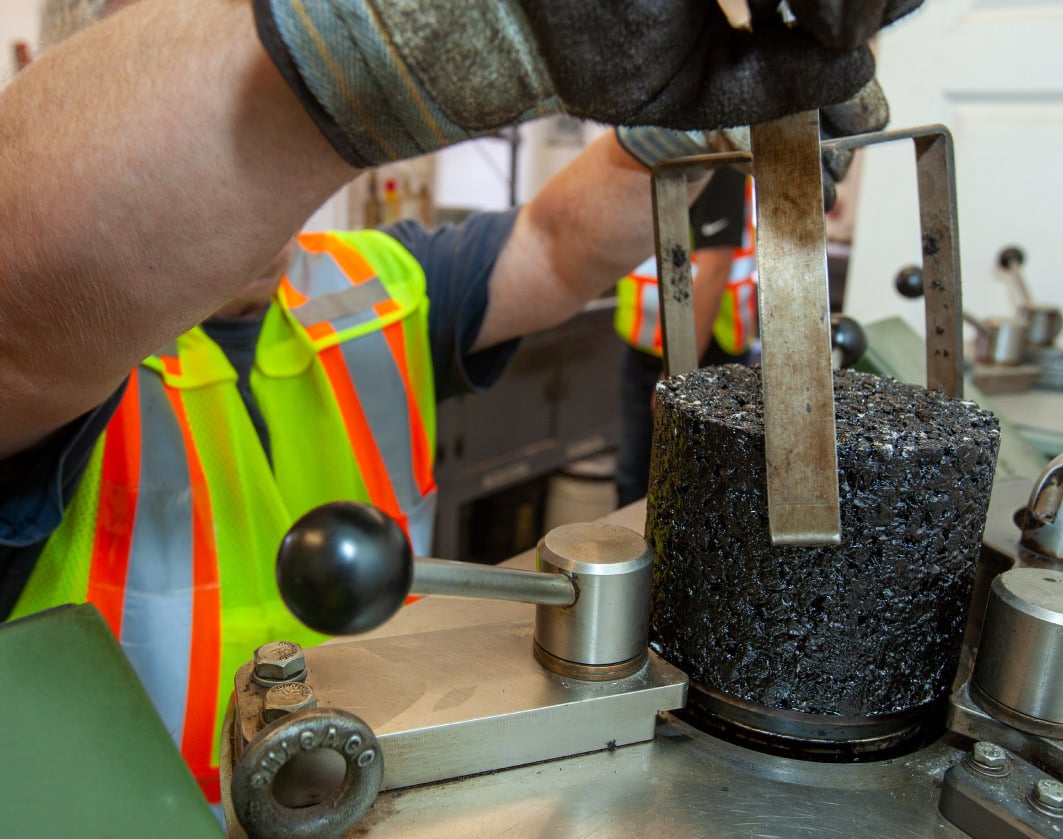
(344,568)
(848,337)
(1011,257)
(909,281)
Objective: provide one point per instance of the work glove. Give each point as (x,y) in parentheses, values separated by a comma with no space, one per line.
(389,79)
(867,111)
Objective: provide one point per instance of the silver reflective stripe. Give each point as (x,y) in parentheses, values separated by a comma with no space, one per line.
(746,310)
(741,268)
(386,404)
(352,300)
(157,613)
(649,303)
(315,274)
(375,375)
(746,294)
(420,523)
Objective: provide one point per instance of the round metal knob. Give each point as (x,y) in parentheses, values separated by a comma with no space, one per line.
(1018,673)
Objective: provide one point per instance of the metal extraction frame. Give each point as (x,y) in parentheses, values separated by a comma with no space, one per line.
(795,469)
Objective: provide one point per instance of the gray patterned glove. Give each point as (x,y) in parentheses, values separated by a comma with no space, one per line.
(387,79)
(867,111)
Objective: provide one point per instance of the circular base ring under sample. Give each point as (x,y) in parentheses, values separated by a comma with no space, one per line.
(819,737)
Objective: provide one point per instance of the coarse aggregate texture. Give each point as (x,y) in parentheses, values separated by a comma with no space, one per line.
(869,627)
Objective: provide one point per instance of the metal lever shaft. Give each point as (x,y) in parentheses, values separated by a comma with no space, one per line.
(465,579)
(794,301)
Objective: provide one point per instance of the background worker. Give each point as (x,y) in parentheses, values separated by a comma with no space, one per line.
(153,170)
(725,315)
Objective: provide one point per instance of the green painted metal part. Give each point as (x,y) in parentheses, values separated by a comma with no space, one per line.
(895,349)
(85,753)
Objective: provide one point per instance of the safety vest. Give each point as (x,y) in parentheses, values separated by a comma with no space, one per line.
(637,317)
(174,530)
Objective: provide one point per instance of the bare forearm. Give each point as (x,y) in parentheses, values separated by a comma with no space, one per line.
(129,211)
(590,225)
(714,270)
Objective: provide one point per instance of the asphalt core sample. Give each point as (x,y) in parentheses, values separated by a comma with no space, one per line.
(869,628)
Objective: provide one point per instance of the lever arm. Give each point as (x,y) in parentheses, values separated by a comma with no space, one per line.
(345,568)
(464,579)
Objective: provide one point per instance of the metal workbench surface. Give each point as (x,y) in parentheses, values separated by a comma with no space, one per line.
(683,783)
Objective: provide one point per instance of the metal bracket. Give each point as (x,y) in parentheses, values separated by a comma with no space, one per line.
(448,703)
(935,171)
(1000,803)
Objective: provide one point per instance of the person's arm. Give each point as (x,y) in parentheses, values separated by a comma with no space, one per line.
(717,220)
(590,225)
(714,270)
(149,166)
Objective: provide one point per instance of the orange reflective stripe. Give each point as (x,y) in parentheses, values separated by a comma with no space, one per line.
(636,322)
(197,742)
(291,297)
(748,313)
(647,285)
(171,364)
(119,482)
(366,453)
(385,307)
(350,261)
(737,325)
(395,334)
(210,785)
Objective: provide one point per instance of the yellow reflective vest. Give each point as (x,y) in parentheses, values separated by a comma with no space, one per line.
(174,529)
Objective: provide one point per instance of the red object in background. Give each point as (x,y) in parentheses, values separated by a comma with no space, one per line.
(22,54)
(392,200)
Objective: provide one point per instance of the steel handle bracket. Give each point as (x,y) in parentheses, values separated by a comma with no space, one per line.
(935,171)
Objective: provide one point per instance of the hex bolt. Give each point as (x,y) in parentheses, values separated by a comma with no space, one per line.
(278,662)
(287,698)
(1047,797)
(989,759)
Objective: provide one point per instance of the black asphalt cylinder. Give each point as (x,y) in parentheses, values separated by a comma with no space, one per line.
(823,645)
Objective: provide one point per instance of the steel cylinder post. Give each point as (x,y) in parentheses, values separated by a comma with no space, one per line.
(604,634)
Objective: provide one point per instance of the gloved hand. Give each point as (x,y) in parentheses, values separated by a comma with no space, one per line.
(387,79)
(867,111)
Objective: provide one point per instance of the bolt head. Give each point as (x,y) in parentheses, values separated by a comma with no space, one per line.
(287,699)
(279,661)
(990,758)
(1049,792)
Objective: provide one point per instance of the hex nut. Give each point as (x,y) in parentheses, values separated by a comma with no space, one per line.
(1048,794)
(279,661)
(287,698)
(989,759)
